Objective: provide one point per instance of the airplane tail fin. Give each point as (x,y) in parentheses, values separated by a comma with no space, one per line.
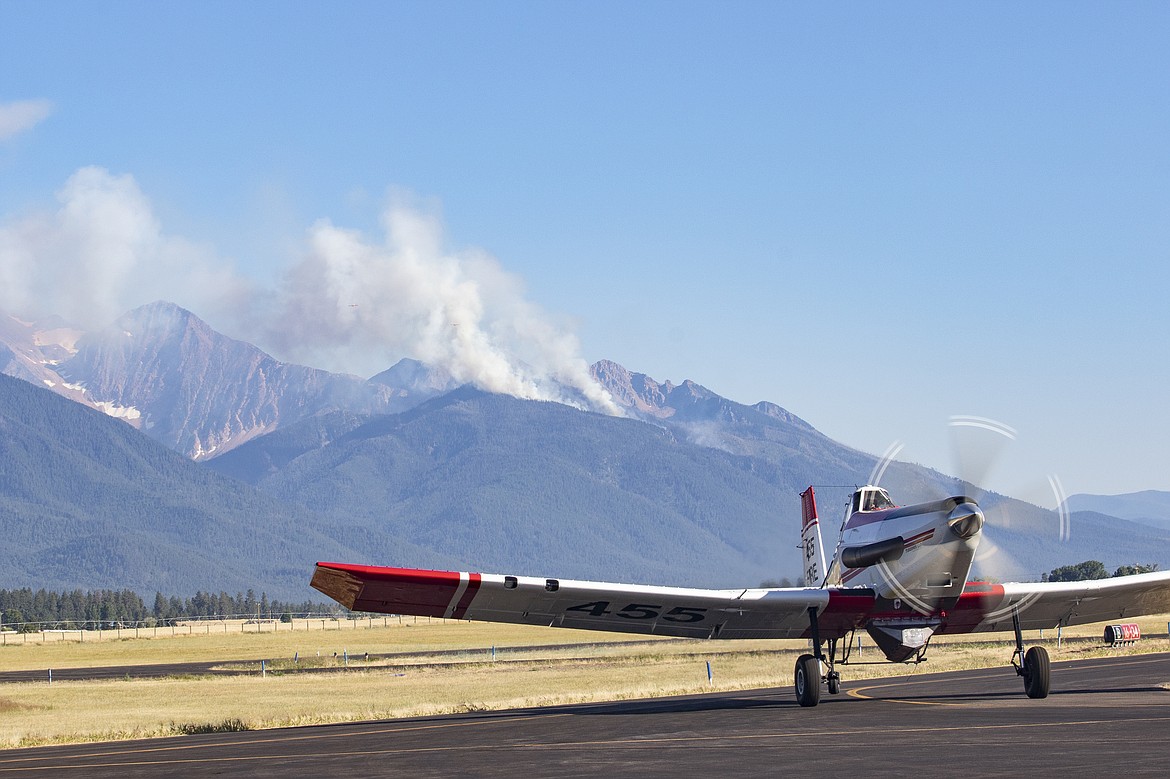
(810,540)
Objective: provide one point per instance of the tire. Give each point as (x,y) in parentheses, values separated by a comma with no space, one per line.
(834,683)
(808,680)
(1036,672)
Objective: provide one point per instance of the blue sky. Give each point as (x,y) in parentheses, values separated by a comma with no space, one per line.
(875,215)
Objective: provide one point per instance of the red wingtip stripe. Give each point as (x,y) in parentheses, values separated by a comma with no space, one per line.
(404,575)
(473,583)
(405,590)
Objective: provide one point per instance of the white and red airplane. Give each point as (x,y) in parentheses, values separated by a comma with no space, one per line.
(898,573)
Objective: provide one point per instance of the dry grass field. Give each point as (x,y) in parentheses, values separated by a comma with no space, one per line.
(532,666)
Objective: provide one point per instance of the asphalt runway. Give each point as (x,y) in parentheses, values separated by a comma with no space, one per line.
(1107,716)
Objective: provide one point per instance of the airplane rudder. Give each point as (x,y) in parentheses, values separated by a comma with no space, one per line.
(808,507)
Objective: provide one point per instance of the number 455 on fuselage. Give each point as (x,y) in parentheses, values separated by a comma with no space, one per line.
(899,573)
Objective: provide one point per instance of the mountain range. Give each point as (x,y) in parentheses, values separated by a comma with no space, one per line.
(1149,507)
(215,466)
(88,502)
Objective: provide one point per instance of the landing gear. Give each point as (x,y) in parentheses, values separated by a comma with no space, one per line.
(808,680)
(1033,666)
(1036,675)
(808,675)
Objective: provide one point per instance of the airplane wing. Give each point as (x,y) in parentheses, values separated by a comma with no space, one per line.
(1048,604)
(626,608)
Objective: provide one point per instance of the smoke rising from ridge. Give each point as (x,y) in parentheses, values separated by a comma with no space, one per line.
(348,302)
(455,310)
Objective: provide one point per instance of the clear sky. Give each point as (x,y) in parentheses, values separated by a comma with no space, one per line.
(876,215)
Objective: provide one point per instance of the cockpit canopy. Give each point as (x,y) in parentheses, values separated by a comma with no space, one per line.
(870,498)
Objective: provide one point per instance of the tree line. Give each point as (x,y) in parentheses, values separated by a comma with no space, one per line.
(111,607)
(1093,569)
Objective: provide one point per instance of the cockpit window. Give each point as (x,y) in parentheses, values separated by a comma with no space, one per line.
(876,500)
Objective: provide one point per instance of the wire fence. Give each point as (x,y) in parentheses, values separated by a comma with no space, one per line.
(92,630)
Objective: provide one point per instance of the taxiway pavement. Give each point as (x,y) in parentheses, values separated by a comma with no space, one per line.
(1106,716)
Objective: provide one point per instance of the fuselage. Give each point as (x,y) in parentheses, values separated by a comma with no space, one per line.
(915,558)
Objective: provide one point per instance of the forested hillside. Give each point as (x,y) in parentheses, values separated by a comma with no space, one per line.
(503,484)
(88,502)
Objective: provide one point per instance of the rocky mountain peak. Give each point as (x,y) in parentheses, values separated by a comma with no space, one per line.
(647,397)
(412,377)
(32,350)
(160,320)
(781,414)
(695,413)
(634,392)
(199,391)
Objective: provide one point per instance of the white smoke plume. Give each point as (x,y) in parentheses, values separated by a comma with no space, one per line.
(356,299)
(347,303)
(102,252)
(22,115)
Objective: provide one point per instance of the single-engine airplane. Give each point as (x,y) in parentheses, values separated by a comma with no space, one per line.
(899,573)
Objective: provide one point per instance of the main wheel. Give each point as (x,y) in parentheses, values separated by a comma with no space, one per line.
(1036,676)
(808,680)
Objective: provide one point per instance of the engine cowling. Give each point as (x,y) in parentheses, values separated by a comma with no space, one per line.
(871,554)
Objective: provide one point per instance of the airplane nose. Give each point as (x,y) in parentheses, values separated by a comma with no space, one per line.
(965,520)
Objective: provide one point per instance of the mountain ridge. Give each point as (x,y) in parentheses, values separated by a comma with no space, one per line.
(687,488)
(1147,507)
(88,502)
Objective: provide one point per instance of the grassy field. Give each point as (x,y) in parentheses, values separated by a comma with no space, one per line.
(412,636)
(548,671)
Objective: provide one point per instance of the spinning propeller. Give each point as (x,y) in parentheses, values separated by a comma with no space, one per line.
(977,445)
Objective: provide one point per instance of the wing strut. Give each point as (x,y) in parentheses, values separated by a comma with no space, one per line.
(1019,655)
(815,629)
